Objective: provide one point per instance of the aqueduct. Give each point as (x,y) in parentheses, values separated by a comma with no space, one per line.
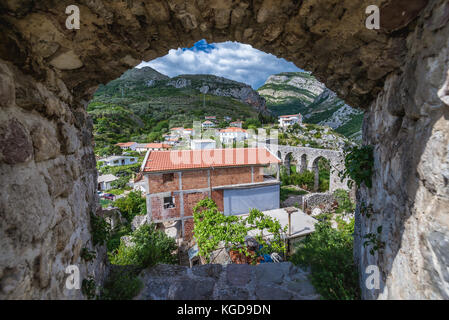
(306,159)
(397,74)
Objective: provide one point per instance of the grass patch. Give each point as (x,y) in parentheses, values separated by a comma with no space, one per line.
(290,191)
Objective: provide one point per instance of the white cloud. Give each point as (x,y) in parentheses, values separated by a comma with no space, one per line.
(232,60)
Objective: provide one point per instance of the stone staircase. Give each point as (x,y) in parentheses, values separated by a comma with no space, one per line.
(266,281)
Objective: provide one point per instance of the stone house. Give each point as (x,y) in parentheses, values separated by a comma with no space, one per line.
(127,145)
(236,124)
(104,182)
(288,120)
(114,161)
(231,134)
(207,124)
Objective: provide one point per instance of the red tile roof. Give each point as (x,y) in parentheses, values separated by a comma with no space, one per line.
(176,129)
(159,161)
(125,144)
(233,129)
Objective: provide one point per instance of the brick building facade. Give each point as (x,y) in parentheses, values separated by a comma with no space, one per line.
(174,187)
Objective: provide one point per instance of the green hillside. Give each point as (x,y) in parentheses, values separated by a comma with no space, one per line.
(300,92)
(143,104)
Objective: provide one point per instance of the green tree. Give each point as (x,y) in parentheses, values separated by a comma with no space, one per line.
(131,205)
(211,228)
(149,247)
(329,254)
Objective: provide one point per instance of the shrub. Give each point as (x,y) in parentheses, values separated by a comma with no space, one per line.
(211,228)
(131,205)
(359,165)
(345,205)
(88,288)
(114,239)
(305,180)
(100,229)
(329,253)
(120,182)
(122,284)
(87,255)
(150,246)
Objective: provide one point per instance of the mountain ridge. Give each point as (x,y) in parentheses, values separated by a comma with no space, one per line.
(293,92)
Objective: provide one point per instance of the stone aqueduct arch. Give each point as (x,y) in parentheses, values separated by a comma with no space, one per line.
(398,75)
(309,156)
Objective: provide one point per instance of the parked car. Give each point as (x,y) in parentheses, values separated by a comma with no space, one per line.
(108,196)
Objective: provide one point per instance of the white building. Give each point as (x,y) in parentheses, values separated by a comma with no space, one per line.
(114,161)
(127,145)
(144,147)
(104,182)
(177,131)
(203,144)
(236,124)
(207,124)
(188,132)
(229,135)
(288,120)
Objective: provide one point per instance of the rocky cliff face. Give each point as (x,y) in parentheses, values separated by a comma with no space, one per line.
(408,125)
(293,92)
(222,87)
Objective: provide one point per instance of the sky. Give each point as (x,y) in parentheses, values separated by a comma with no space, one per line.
(232,60)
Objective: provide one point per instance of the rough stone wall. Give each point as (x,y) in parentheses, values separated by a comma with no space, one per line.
(48,73)
(47,190)
(409,126)
(266,281)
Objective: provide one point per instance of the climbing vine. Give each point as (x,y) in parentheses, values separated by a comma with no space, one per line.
(100,229)
(373,240)
(88,288)
(359,166)
(87,255)
(212,229)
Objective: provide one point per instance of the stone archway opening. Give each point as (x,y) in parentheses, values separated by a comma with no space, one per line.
(304,164)
(321,169)
(288,163)
(48,73)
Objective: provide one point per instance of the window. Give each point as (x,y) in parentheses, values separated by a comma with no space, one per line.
(169,202)
(168,177)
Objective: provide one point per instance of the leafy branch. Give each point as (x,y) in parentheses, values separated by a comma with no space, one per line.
(212,228)
(359,166)
(374,240)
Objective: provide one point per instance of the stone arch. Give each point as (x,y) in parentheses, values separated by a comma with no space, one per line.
(48,73)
